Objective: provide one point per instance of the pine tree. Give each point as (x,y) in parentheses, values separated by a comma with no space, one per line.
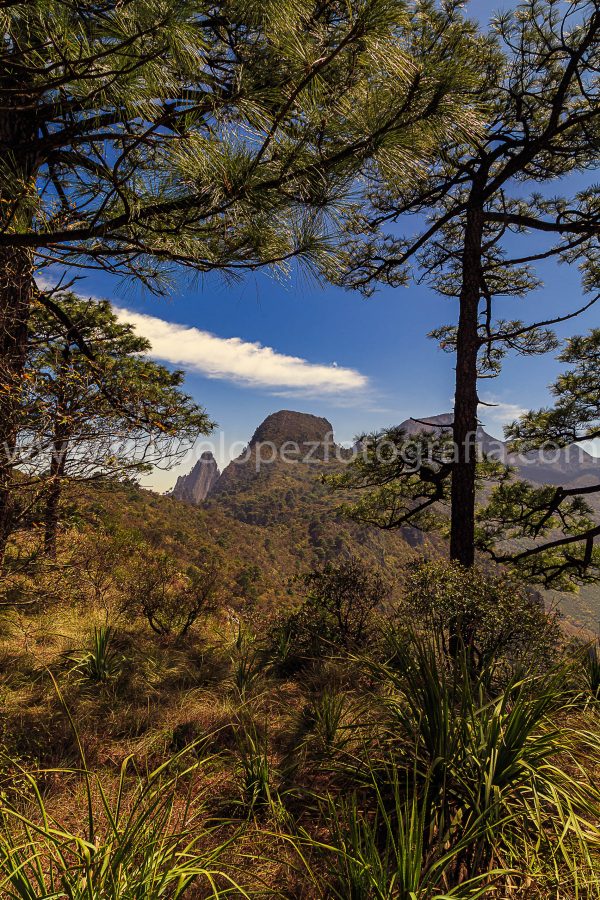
(539,92)
(138,134)
(560,526)
(107,412)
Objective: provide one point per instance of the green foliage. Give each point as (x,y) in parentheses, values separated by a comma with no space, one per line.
(325,716)
(575,415)
(101,662)
(506,622)
(558,523)
(343,597)
(493,775)
(254,768)
(215,138)
(247,661)
(402,478)
(170,599)
(94,406)
(153,848)
(538,87)
(247,582)
(383,854)
(90,386)
(337,614)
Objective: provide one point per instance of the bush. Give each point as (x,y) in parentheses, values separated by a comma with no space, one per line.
(169,599)
(338,614)
(506,620)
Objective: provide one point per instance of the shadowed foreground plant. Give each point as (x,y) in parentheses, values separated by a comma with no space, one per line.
(325,717)
(486,782)
(154,844)
(381,848)
(246,662)
(591,670)
(100,662)
(254,768)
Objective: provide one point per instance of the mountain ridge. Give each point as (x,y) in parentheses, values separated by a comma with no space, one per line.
(287,436)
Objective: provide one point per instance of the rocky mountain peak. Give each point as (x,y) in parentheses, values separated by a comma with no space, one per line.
(428,423)
(196,485)
(287,425)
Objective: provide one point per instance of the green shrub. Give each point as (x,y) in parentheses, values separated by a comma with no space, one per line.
(170,599)
(339,613)
(504,619)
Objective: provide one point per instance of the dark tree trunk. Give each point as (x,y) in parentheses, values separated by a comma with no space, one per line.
(462,524)
(51,513)
(462,533)
(18,128)
(61,435)
(16,293)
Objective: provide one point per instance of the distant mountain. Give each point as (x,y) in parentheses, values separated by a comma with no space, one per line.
(567,466)
(287,426)
(196,485)
(292,440)
(287,437)
(269,507)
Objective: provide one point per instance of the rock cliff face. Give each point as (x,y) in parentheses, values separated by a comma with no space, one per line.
(286,441)
(288,426)
(196,485)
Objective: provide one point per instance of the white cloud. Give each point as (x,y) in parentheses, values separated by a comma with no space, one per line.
(243,362)
(500,413)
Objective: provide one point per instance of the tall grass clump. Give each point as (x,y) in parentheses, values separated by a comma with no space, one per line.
(463,789)
(591,669)
(253,768)
(100,662)
(145,841)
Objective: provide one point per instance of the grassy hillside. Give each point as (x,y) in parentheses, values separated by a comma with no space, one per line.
(259,754)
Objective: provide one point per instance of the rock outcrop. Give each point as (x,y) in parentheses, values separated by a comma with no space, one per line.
(196,485)
(287,440)
(286,426)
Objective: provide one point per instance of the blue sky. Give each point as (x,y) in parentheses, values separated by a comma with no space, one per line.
(383,366)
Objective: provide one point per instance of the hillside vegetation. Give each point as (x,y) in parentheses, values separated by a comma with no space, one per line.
(304,736)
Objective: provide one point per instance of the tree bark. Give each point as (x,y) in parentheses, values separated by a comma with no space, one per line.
(462,526)
(16,293)
(18,128)
(51,513)
(464,470)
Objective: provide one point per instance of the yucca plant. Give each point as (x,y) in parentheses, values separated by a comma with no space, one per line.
(325,717)
(591,669)
(100,662)
(150,843)
(507,779)
(254,769)
(247,663)
(380,846)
